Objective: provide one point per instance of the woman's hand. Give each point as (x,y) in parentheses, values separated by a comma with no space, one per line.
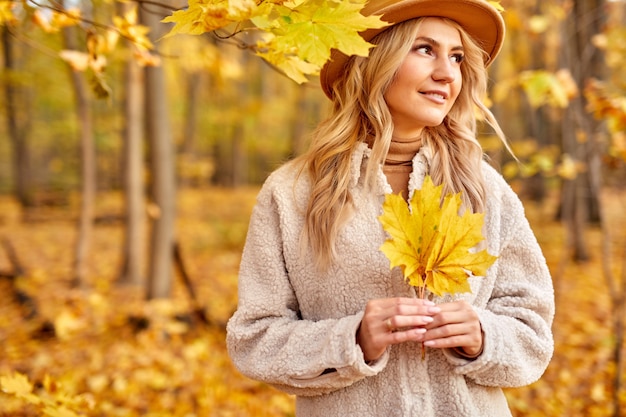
(390,321)
(455,326)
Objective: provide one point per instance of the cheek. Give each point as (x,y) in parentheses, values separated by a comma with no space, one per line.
(456,87)
(393,95)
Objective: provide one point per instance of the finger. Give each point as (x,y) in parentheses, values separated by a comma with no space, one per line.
(403,322)
(455,313)
(392,321)
(448,342)
(409,335)
(454,335)
(409,308)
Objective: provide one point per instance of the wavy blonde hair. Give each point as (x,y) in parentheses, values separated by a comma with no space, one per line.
(359,112)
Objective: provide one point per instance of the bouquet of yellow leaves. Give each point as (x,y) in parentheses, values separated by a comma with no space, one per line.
(431,242)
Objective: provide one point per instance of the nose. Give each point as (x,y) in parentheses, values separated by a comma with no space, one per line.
(444,70)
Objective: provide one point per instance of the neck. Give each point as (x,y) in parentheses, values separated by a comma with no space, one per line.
(406,140)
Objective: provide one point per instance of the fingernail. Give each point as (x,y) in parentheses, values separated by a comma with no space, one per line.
(429,343)
(434,310)
(428,319)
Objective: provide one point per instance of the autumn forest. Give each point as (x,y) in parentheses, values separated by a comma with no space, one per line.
(134,137)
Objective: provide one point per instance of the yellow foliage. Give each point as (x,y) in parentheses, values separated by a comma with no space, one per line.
(203,16)
(497,5)
(128,27)
(297,36)
(539,24)
(544,87)
(434,245)
(6,12)
(16,384)
(81,61)
(105,368)
(610,104)
(69,17)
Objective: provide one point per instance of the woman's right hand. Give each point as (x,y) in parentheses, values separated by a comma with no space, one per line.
(389,321)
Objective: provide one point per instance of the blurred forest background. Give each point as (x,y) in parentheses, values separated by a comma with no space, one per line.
(130,161)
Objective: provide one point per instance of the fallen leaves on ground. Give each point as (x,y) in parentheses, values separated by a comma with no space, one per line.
(113,354)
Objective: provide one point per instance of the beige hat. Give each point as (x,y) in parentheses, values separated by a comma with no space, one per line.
(479,18)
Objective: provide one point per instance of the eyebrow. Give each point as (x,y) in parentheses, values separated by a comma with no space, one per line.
(437,44)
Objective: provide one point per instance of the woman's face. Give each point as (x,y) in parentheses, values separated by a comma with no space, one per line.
(428,81)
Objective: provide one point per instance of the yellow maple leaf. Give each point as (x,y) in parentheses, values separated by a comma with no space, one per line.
(298,35)
(315,27)
(16,384)
(432,243)
(293,67)
(67,18)
(203,16)
(497,5)
(19,386)
(128,27)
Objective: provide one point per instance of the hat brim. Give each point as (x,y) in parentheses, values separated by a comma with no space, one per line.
(478,18)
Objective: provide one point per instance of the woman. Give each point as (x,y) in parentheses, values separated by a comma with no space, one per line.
(320,313)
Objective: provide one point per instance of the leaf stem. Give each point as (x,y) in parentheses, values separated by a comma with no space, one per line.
(422,295)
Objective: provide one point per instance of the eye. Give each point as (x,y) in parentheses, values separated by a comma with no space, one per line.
(423,49)
(457,58)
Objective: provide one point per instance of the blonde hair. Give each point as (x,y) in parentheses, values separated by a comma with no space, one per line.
(359,113)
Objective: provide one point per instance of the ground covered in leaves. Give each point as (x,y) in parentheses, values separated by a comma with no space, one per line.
(103,351)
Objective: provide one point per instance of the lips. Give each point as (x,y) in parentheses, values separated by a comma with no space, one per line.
(438,95)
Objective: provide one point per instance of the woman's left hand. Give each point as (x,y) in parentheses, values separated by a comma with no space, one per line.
(455,326)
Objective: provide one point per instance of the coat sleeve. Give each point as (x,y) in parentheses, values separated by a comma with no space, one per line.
(267,338)
(517,318)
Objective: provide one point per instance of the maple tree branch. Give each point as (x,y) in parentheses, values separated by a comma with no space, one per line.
(61,10)
(158,4)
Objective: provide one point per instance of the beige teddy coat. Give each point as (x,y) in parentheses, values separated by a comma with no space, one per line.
(295,328)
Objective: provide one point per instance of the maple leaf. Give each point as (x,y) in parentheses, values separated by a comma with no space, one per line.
(69,17)
(293,67)
(16,384)
(203,16)
(432,243)
(315,27)
(497,5)
(298,35)
(19,386)
(128,27)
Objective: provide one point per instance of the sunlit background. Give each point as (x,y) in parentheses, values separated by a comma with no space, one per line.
(114,157)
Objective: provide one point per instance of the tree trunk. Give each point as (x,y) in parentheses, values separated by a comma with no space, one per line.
(195,82)
(580,201)
(88,171)
(187,150)
(299,126)
(17,122)
(133,257)
(239,153)
(161,145)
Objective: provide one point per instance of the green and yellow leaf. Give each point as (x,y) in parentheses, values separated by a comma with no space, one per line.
(298,35)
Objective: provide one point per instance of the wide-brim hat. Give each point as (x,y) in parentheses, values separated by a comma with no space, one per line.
(478,18)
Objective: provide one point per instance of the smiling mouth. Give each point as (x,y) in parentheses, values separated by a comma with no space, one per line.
(434,95)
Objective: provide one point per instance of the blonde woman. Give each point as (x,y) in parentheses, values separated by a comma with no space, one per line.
(320,313)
